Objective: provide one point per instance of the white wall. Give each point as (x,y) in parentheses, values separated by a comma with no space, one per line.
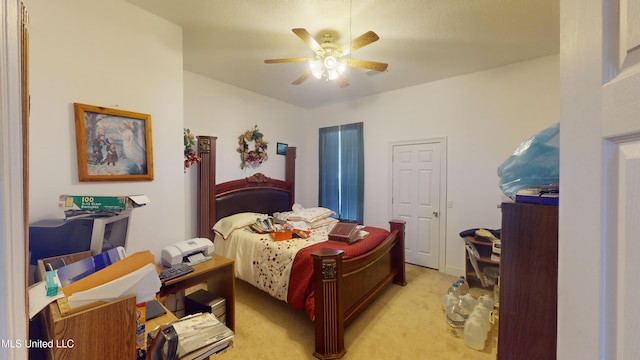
(110,54)
(484,117)
(216,109)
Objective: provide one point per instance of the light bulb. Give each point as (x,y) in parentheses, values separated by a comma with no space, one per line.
(316,68)
(330,62)
(342,66)
(317,73)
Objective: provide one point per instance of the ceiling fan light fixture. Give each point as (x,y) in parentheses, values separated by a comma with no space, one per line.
(329,67)
(317,69)
(329,62)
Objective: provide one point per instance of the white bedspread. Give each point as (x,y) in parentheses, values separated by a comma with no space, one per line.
(262,262)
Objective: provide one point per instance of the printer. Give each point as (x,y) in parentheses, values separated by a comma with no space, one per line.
(190,252)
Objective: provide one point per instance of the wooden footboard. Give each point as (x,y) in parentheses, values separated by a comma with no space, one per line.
(344,288)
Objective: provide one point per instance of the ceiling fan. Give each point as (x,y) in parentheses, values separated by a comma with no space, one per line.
(330,61)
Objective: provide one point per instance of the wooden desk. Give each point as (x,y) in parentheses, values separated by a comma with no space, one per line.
(219,275)
(160,320)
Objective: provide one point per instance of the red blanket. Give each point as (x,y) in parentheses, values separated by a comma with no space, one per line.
(300,295)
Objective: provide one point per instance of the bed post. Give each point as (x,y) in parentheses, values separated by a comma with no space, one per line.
(290,172)
(329,306)
(206,185)
(397,253)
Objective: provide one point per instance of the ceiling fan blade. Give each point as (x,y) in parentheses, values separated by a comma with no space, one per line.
(359,42)
(342,81)
(302,78)
(365,64)
(308,39)
(289,60)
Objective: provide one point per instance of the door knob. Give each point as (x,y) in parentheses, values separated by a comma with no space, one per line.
(435,214)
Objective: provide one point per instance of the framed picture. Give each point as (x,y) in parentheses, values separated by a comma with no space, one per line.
(113,145)
(281,149)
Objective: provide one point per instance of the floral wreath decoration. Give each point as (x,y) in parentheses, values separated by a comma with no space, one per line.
(256,156)
(190,156)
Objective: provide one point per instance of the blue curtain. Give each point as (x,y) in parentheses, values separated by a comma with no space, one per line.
(341,183)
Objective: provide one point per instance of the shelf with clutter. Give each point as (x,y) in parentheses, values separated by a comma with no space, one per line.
(482,259)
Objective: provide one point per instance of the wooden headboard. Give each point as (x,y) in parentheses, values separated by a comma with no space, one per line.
(257,193)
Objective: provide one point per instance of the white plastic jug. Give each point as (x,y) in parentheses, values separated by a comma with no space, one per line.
(474,333)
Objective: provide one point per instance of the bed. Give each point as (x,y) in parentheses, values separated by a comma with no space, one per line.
(342,282)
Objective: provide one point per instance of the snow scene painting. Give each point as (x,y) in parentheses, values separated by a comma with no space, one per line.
(113,144)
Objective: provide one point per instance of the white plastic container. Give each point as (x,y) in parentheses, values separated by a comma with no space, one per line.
(455,314)
(448,300)
(475,334)
(477,327)
(455,320)
(451,288)
(487,300)
(469,302)
(463,285)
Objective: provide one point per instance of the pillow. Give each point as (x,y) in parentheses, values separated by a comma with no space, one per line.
(310,214)
(225,226)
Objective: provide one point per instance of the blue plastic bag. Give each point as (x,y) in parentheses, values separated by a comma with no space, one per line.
(535,164)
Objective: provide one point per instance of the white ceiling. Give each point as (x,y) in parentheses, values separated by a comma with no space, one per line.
(421,40)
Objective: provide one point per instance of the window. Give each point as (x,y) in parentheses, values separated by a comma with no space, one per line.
(341,182)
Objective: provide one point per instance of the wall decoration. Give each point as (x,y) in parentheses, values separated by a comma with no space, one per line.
(281,149)
(258,154)
(113,145)
(190,156)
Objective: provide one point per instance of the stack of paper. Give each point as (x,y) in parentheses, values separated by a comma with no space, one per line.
(38,298)
(201,331)
(134,275)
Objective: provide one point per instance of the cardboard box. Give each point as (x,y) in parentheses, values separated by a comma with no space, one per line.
(281,235)
(101,203)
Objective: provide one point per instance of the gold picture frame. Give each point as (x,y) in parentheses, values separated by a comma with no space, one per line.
(113,144)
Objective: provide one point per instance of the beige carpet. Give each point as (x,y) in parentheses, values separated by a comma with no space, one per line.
(404,323)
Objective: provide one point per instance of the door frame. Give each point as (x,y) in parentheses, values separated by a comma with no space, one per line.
(12,247)
(442,265)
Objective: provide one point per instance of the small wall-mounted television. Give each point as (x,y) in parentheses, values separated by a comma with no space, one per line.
(110,232)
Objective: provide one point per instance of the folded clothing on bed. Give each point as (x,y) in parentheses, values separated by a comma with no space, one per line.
(314,217)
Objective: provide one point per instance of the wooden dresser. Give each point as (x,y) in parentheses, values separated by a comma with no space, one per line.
(528,282)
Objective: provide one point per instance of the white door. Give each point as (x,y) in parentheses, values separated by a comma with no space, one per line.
(600,72)
(621,131)
(416,200)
